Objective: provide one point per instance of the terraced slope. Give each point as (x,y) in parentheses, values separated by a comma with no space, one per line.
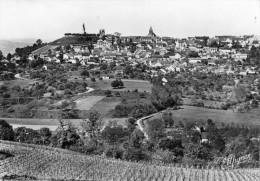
(48,163)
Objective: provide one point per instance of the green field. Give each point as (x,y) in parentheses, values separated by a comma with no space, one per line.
(20,82)
(129,84)
(191,113)
(47,163)
(107,104)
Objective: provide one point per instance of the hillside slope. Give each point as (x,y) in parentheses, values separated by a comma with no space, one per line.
(46,163)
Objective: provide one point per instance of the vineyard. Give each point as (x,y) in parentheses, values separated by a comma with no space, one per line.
(46,163)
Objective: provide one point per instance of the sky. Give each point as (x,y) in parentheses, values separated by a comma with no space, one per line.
(50,19)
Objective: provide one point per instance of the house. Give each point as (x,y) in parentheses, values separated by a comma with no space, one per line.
(177,56)
(194,60)
(72,61)
(66,56)
(180,44)
(204,138)
(224,51)
(155,63)
(239,56)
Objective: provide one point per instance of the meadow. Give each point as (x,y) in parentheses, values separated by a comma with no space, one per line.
(191,113)
(105,84)
(20,82)
(46,163)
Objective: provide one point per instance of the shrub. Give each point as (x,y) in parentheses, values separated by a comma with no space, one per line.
(117,94)
(5,154)
(64,104)
(67,92)
(225,106)
(118,83)
(135,90)
(108,93)
(114,152)
(93,79)
(134,155)
(6,131)
(142,95)
(6,95)
(85,73)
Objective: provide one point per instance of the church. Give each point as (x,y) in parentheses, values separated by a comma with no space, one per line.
(150,38)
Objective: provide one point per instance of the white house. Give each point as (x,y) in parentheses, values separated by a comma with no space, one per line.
(65,56)
(224,51)
(194,60)
(239,56)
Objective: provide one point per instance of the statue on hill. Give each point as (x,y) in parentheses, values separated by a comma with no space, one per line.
(84,31)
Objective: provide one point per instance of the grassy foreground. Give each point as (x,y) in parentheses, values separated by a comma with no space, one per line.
(46,163)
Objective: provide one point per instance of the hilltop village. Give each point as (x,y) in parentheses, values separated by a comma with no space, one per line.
(138,98)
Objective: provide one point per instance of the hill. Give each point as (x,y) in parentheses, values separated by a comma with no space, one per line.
(76,39)
(9,46)
(47,163)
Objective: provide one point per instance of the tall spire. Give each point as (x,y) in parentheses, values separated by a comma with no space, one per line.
(84,29)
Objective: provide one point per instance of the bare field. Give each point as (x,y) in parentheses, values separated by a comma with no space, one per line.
(106,105)
(88,102)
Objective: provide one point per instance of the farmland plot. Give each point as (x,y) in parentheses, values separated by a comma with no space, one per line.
(88,102)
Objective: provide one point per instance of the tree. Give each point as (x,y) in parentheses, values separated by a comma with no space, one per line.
(45,134)
(26,135)
(1,55)
(66,137)
(195,137)
(103,66)
(9,56)
(199,154)
(93,79)
(39,42)
(117,94)
(118,83)
(112,65)
(168,119)
(205,62)
(192,54)
(85,73)
(6,131)
(108,93)
(163,98)
(215,139)
(136,139)
(113,134)
(128,69)
(16,88)
(64,104)
(142,95)
(131,124)
(155,130)
(93,124)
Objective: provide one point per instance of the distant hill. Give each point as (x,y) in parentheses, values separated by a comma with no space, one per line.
(9,46)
